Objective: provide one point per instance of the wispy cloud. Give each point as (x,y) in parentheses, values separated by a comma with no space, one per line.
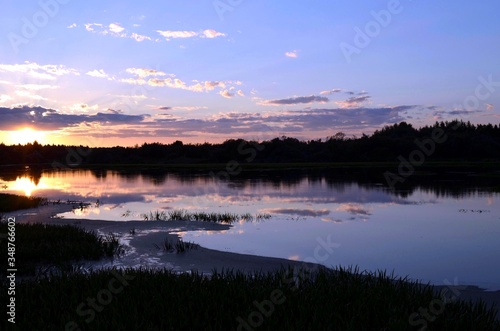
(44,72)
(99,74)
(353,102)
(295,101)
(50,119)
(224,125)
(4,98)
(210,34)
(334,91)
(180,108)
(29,95)
(142,73)
(175,34)
(292,54)
(149,77)
(226,94)
(115,30)
(83,108)
(36,87)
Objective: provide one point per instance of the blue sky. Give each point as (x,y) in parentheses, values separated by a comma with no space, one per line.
(128,72)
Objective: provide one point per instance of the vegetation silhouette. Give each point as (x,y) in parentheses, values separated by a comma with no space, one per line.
(464,142)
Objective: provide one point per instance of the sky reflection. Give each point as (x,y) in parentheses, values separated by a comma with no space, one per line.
(425,233)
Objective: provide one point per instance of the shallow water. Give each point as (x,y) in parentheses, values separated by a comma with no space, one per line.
(441,231)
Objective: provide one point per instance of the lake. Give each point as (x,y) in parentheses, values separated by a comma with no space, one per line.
(438,229)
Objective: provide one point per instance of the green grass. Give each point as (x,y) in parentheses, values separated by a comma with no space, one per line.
(11,202)
(339,299)
(42,245)
(184,215)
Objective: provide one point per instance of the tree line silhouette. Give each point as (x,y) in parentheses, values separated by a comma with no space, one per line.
(461,141)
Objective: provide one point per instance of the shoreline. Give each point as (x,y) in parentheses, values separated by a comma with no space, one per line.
(140,250)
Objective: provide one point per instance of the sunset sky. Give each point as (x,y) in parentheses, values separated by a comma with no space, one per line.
(105,73)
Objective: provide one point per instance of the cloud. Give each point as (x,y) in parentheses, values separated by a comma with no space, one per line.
(172,34)
(98,73)
(116,28)
(213,34)
(83,107)
(182,108)
(226,94)
(292,54)
(72,26)
(5,98)
(240,93)
(46,72)
(50,119)
(353,102)
(291,122)
(439,115)
(177,34)
(139,37)
(91,26)
(113,111)
(331,92)
(85,120)
(29,95)
(36,87)
(177,83)
(295,101)
(143,73)
(490,107)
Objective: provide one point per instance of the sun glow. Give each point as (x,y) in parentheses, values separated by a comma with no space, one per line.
(24,184)
(27,135)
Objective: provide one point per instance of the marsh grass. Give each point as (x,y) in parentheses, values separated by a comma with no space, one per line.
(184,215)
(184,246)
(12,202)
(42,245)
(179,246)
(341,299)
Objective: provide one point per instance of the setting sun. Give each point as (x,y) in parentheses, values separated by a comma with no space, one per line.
(26,135)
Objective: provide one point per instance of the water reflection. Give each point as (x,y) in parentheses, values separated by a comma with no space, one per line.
(433,228)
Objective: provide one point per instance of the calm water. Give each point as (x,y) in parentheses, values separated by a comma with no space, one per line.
(440,231)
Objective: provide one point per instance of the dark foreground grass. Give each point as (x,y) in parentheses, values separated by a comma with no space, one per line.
(42,245)
(12,202)
(161,300)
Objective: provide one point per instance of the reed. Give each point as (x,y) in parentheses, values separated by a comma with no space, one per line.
(184,215)
(12,202)
(341,299)
(55,245)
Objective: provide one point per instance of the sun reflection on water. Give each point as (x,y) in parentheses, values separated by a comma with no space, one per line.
(26,185)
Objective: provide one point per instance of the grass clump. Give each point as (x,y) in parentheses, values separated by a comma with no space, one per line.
(179,246)
(339,299)
(184,215)
(55,245)
(12,202)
